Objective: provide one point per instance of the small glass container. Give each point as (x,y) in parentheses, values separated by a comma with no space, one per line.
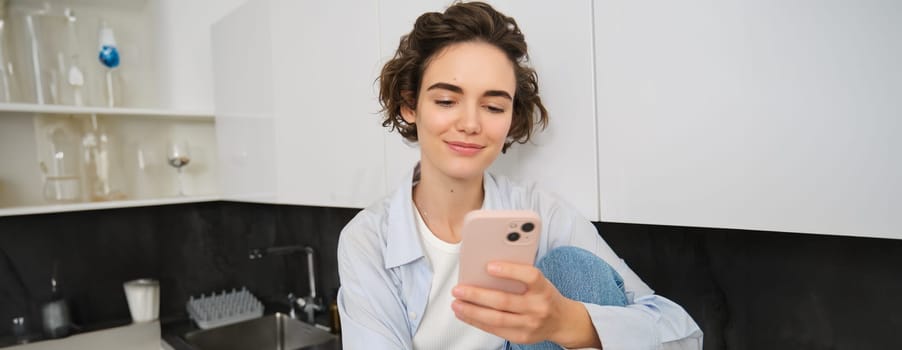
(62,180)
(62,189)
(20,330)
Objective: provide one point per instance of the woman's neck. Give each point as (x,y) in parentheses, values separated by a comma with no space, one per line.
(444,201)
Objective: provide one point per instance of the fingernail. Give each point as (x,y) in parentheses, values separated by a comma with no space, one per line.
(455,305)
(457,291)
(493,267)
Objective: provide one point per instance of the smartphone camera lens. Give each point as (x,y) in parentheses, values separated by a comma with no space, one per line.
(513,236)
(528,227)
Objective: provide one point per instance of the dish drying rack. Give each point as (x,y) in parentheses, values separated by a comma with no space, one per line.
(220,309)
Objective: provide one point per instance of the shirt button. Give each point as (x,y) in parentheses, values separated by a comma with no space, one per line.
(412,315)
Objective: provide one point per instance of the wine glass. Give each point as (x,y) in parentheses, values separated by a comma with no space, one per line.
(179,156)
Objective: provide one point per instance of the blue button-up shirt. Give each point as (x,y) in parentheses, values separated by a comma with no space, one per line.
(386,279)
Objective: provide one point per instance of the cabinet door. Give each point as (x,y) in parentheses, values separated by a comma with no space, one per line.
(328,142)
(243,81)
(295,103)
(562,158)
(758,115)
(181,31)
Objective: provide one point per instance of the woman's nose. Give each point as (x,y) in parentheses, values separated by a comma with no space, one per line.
(468,121)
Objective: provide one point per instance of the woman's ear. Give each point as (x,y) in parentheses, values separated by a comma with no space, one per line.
(408,114)
(407,111)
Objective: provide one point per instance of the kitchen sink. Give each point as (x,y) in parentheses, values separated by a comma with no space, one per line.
(276,332)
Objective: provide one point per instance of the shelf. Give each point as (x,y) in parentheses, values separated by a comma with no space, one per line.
(56,208)
(146,112)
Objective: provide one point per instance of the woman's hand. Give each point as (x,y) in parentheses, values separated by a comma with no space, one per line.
(541,313)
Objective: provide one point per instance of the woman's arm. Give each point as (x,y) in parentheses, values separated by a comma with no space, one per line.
(372,316)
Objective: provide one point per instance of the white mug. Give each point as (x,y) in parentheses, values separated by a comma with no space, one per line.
(143,296)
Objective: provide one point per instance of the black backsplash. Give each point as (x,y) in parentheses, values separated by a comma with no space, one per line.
(747,289)
(190,248)
(770,290)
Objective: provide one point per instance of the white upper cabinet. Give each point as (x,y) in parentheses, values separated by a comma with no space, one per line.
(330,148)
(295,103)
(183,51)
(562,158)
(759,115)
(243,96)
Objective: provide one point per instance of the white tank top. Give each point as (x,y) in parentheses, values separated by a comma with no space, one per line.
(440,329)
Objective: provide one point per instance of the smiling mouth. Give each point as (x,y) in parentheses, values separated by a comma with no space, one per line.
(463,148)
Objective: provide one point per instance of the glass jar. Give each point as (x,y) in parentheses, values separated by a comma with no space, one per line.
(62,182)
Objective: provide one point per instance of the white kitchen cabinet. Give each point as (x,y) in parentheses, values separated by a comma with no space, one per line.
(757,115)
(561,159)
(296,110)
(183,59)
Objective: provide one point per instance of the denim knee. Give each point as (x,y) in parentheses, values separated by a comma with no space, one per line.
(582,276)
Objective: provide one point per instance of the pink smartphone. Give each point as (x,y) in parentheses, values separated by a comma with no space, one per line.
(497,235)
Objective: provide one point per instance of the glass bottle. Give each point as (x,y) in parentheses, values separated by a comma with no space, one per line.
(62,182)
(109,58)
(98,162)
(55,312)
(8,92)
(73,79)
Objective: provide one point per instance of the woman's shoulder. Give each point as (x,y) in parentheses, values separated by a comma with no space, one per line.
(521,194)
(366,230)
(529,195)
(562,223)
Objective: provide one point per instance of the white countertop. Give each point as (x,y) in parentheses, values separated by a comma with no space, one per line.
(136,336)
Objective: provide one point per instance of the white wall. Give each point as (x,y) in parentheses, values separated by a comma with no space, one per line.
(20,175)
(765,115)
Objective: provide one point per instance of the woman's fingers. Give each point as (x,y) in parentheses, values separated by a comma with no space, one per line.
(524,273)
(514,327)
(487,318)
(491,298)
(537,314)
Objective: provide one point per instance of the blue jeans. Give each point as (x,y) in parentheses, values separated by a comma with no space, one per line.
(579,275)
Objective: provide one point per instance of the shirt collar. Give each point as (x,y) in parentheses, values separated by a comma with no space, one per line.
(403,245)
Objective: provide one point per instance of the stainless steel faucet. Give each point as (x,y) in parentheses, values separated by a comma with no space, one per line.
(309,303)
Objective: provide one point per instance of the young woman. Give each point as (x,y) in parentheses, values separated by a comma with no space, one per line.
(460,87)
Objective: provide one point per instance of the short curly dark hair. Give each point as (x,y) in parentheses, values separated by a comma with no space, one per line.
(400,79)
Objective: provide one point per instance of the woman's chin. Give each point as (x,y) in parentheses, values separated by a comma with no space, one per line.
(464,170)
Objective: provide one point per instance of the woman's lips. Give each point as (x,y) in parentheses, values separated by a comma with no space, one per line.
(463,148)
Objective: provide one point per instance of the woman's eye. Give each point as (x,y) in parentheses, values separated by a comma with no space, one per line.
(444,103)
(494,109)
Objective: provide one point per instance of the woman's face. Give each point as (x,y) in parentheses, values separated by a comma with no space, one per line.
(464,109)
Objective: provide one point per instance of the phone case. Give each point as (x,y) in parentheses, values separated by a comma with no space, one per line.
(486,236)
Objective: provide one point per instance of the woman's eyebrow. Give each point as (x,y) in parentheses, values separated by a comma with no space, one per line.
(446,86)
(459,90)
(499,93)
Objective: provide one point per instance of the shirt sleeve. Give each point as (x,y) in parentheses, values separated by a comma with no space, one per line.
(371,312)
(649,321)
